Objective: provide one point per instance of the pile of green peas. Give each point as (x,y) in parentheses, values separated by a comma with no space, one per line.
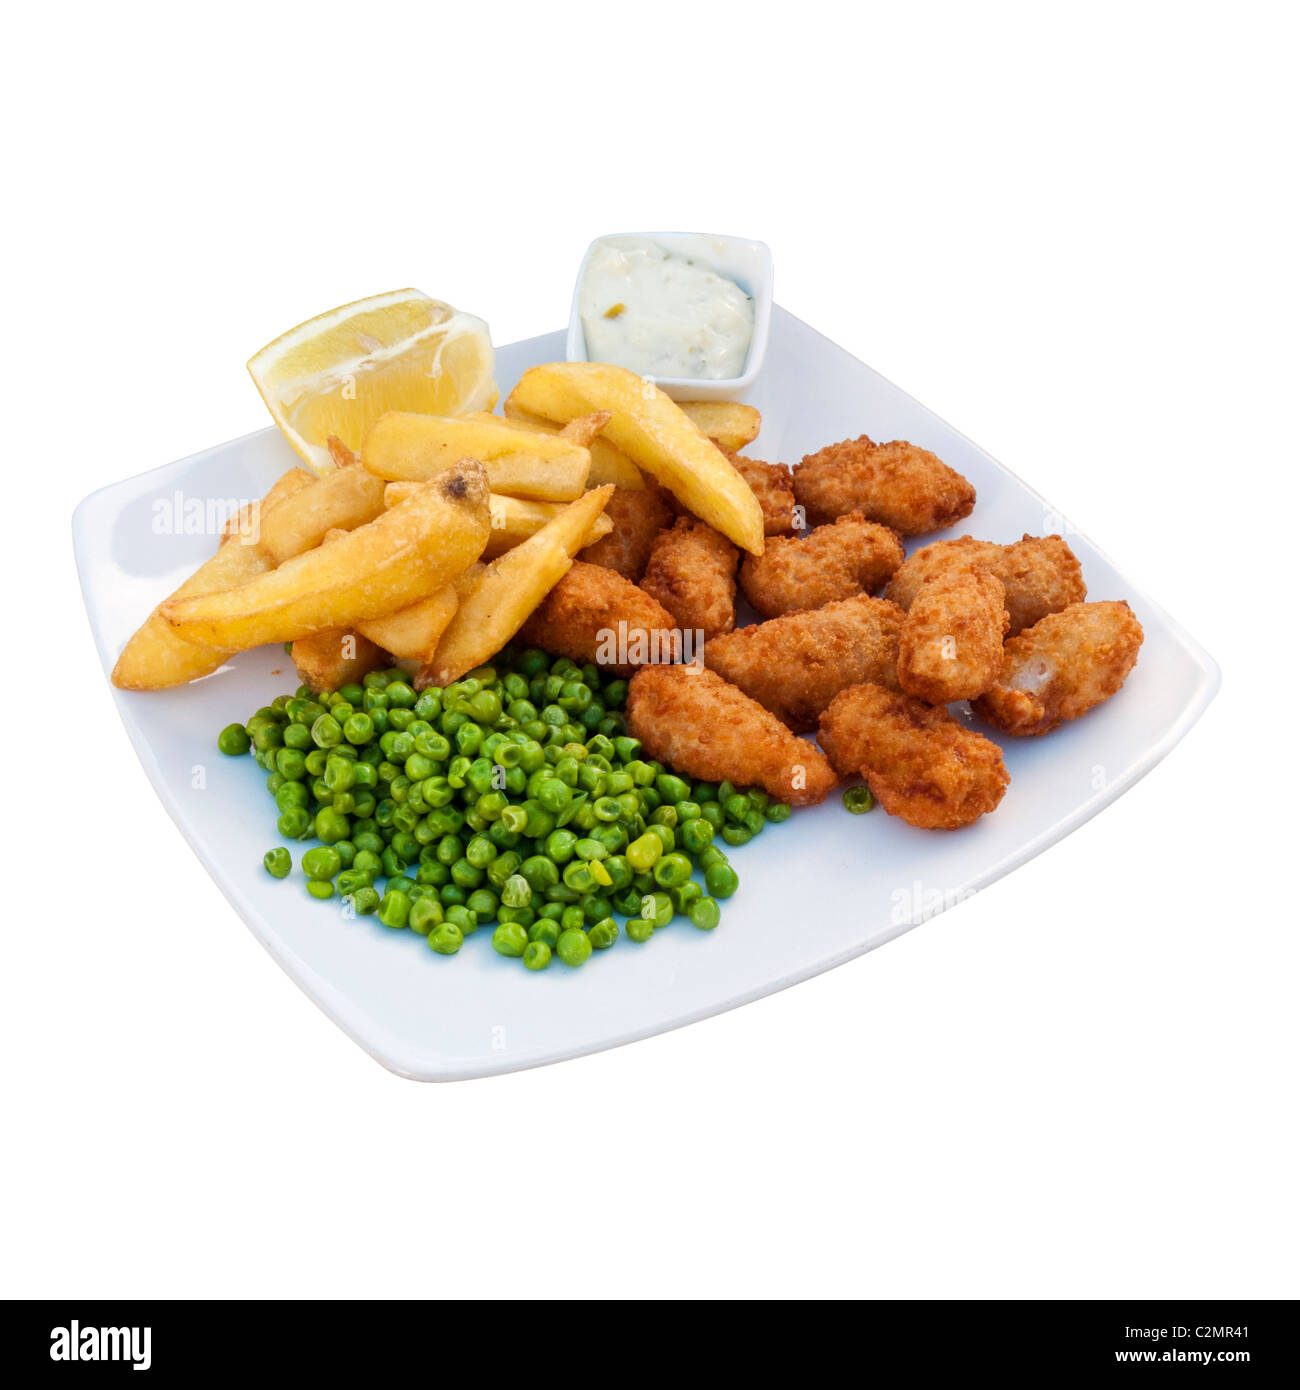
(512,797)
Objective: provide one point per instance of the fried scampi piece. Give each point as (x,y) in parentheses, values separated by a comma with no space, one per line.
(951,644)
(594,614)
(1040,574)
(771,483)
(696,722)
(795,665)
(638,517)
(850,556)
(1063,666)
(919,762)
(692,572)
(897,484)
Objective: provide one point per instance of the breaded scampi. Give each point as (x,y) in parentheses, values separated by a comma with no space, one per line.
(951,644)
(1040,574)
(850,556)
(638,516)
(900,485)
(795,665)
(692,572)
(695,722)
(1063,666)
(594,614)
(772,484)
(919,762)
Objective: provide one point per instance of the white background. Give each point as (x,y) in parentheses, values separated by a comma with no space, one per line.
(1072,233)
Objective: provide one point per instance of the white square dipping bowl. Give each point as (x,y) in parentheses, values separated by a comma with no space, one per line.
(748,263)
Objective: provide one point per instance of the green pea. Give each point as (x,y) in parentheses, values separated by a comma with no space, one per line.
(573,947)
(639,929)
(446,939)
(340,774)
(331,826)
(545,929)
(298,737)
(722,880)
(672,870)
(603,934)
(425,914)
(294,823)
(697,835)
(537,955)
(366,861)
(234,741)
(395,909)
(657,908)
(684,895)
(350,880)
(364,901)
(462,917)
(321,862)
(484,903)
(510,939)
(560,845)
(320,887)
(278,861)
(858,800)
(292,794)
(704,913)
(737,834)
(665,833)
(644,853)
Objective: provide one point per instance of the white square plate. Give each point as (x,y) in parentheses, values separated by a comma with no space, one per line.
(815,892)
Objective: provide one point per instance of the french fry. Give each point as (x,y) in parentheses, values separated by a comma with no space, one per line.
(514,519)
(656,434)
(412,633)
(402,445)
(733,425)
(249,524)
(343,498)
(395,493)
(608,464)
(510,588)
(156,657)
(467,580)
(404,555)
(333,658)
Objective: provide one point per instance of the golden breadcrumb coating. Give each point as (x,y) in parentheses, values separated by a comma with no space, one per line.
(898,484)
(638,516)
(771,483)
(692,572)
(795,665)
(1063,666)
(1040,574)
(850,556)
(581,616)
(918,761)
(695,722)
(951,644)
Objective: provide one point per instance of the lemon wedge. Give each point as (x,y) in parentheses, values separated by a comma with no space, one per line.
(338,373)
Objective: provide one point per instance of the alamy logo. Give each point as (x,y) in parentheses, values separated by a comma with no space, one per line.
(77,1343)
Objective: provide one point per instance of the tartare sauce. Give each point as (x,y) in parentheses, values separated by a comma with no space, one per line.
(660,314)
